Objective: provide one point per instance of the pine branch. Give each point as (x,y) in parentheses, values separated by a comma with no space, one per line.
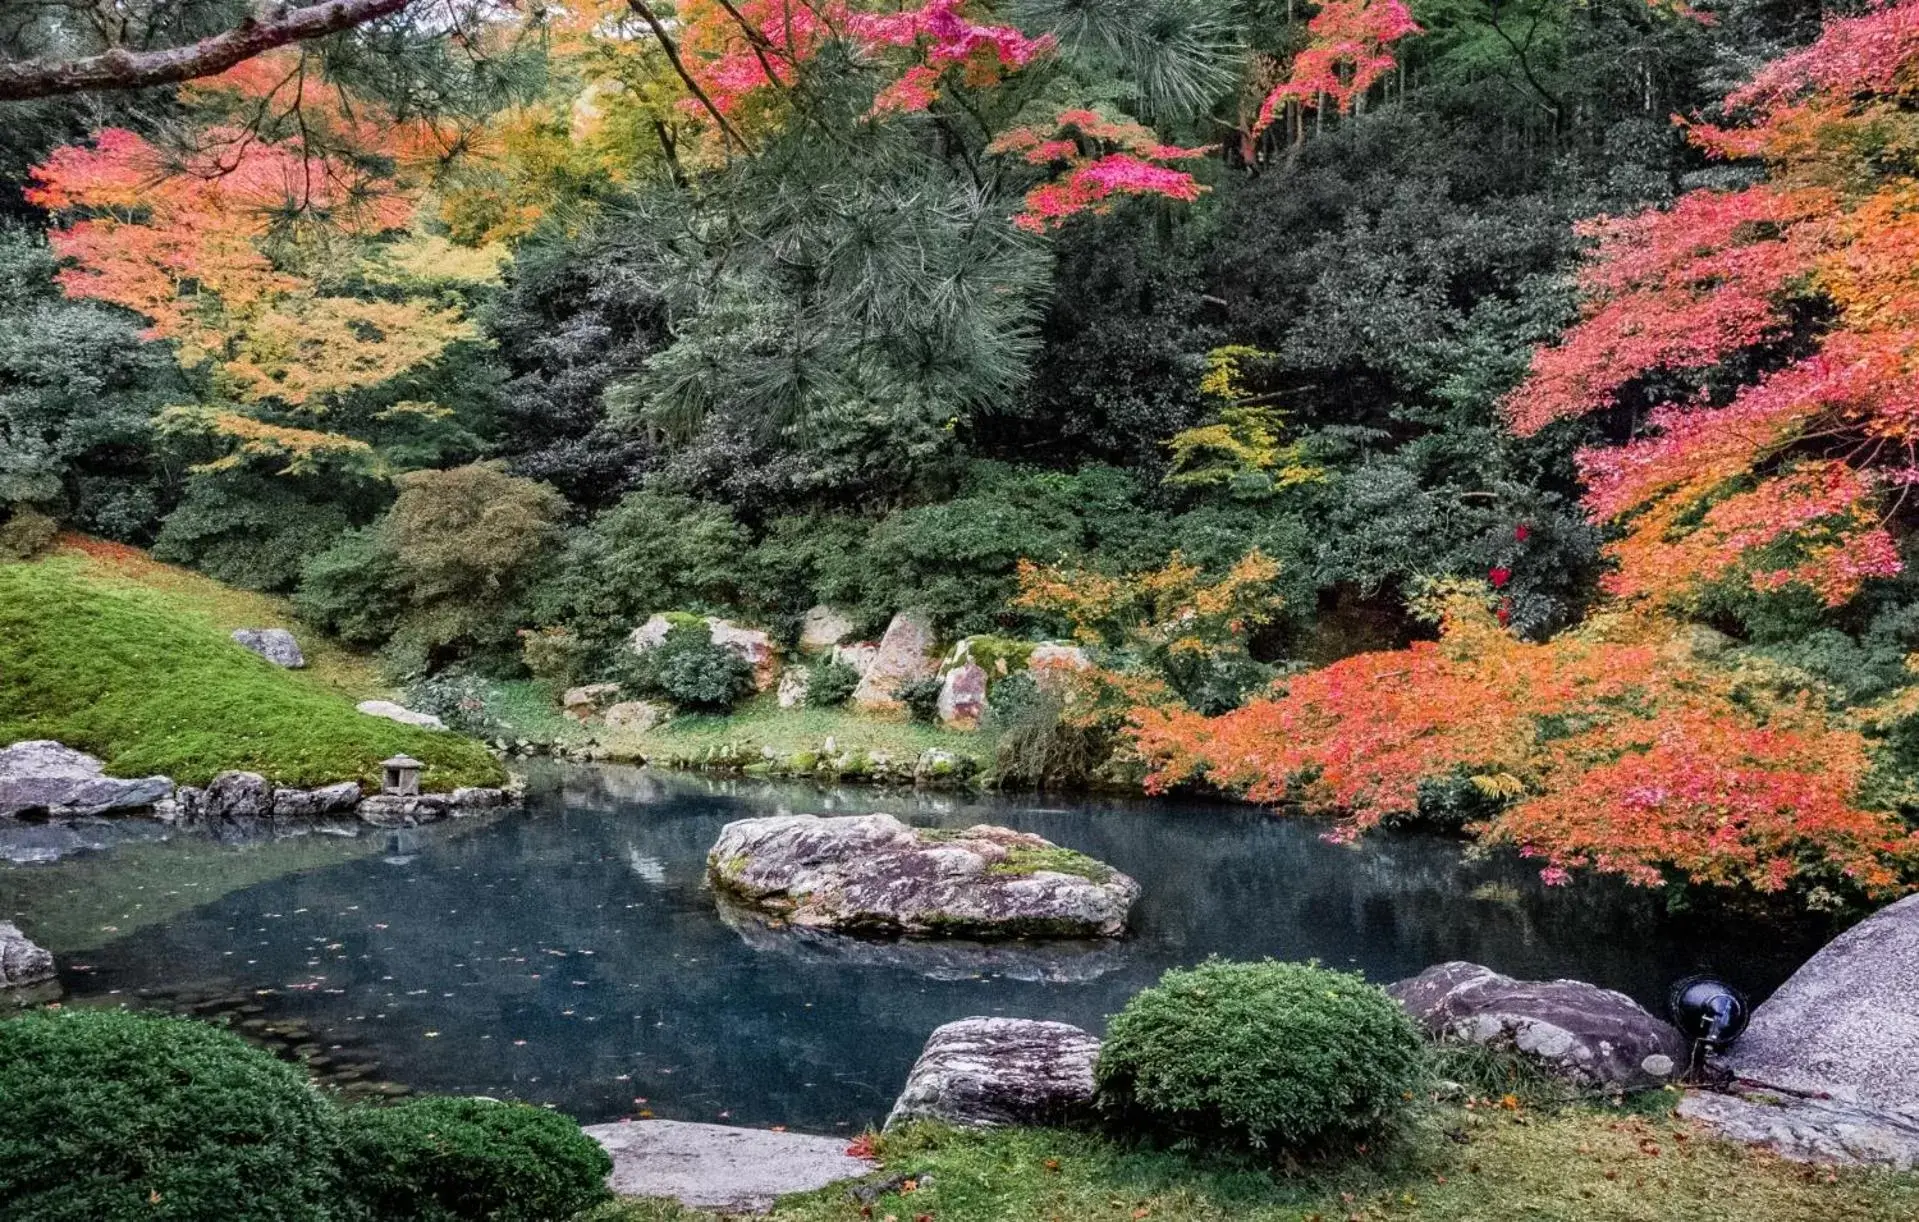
(123,69)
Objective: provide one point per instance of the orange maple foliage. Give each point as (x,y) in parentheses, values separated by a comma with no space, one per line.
(1792,479)
(226,249)
(1609,748)
(1614,747)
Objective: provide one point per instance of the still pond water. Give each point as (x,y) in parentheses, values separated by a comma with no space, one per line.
(571,955)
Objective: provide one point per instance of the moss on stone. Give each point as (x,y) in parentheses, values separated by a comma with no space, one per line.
(1025,860)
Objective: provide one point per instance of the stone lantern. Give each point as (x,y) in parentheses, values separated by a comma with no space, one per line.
(402,776)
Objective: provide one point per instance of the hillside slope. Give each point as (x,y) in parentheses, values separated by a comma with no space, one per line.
(132,662)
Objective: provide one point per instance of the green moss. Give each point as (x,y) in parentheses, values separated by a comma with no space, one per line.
(998,656)
(119,671)
(683,619)
(1023,860)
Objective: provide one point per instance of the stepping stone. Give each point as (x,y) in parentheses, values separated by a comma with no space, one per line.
(716,1166)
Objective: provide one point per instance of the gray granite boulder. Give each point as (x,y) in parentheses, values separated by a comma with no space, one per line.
(905,653)
(874,874)
(236,795)
(22,963)
(276,645)
(316,803)
(1592,1037)
(1829,1067)
(987,1072)
(400,713)
(41,774)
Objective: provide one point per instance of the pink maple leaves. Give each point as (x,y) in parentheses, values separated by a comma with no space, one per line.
(1106,159)
(1349,51)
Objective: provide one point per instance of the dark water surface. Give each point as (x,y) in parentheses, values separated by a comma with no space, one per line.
(571,954)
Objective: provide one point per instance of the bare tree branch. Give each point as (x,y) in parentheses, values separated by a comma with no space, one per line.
(124,69)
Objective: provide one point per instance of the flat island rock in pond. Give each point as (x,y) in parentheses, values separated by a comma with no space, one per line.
(1828,1069)
(1590,1036)
(874,874)
(986,1072)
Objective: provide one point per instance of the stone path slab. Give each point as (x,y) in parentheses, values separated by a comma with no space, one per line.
(716,1166)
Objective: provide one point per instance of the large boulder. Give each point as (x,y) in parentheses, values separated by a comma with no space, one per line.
(823,628)
(22,962)
(859,655)
(1590,1036)
(988,1072)
(905,653)
(635,716)
(1828,1069)
(585,702)
(874,874)
(276,645)
(232,796)
(400,713)
(963,697)
(315,803)
(41,774)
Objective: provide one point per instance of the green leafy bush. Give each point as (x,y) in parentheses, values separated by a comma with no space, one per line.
(555,657)
(1289,1056)
(449,1160)
(829,683)
(111,1116)
(687,668)
(921,698)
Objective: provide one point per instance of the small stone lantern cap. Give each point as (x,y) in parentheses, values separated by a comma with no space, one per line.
(402,776)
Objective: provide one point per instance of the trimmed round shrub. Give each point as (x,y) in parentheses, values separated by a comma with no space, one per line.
(830,684)
(106,1115)
(449,1160)
(1267,1055)
(687,668)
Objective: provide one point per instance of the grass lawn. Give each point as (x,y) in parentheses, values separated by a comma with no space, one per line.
(1576,1164)
(761,722)
(131,661)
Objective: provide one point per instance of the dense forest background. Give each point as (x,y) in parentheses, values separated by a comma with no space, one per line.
(476,329)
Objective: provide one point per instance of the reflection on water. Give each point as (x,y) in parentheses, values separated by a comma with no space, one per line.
(571,955)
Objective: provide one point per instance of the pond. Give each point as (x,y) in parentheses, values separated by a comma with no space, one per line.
(570,954)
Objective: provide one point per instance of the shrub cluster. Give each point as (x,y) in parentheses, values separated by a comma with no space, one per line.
(445,1160)
(687,668)
(1267,1055)
(921,698)
(110,1116)
(830,683)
